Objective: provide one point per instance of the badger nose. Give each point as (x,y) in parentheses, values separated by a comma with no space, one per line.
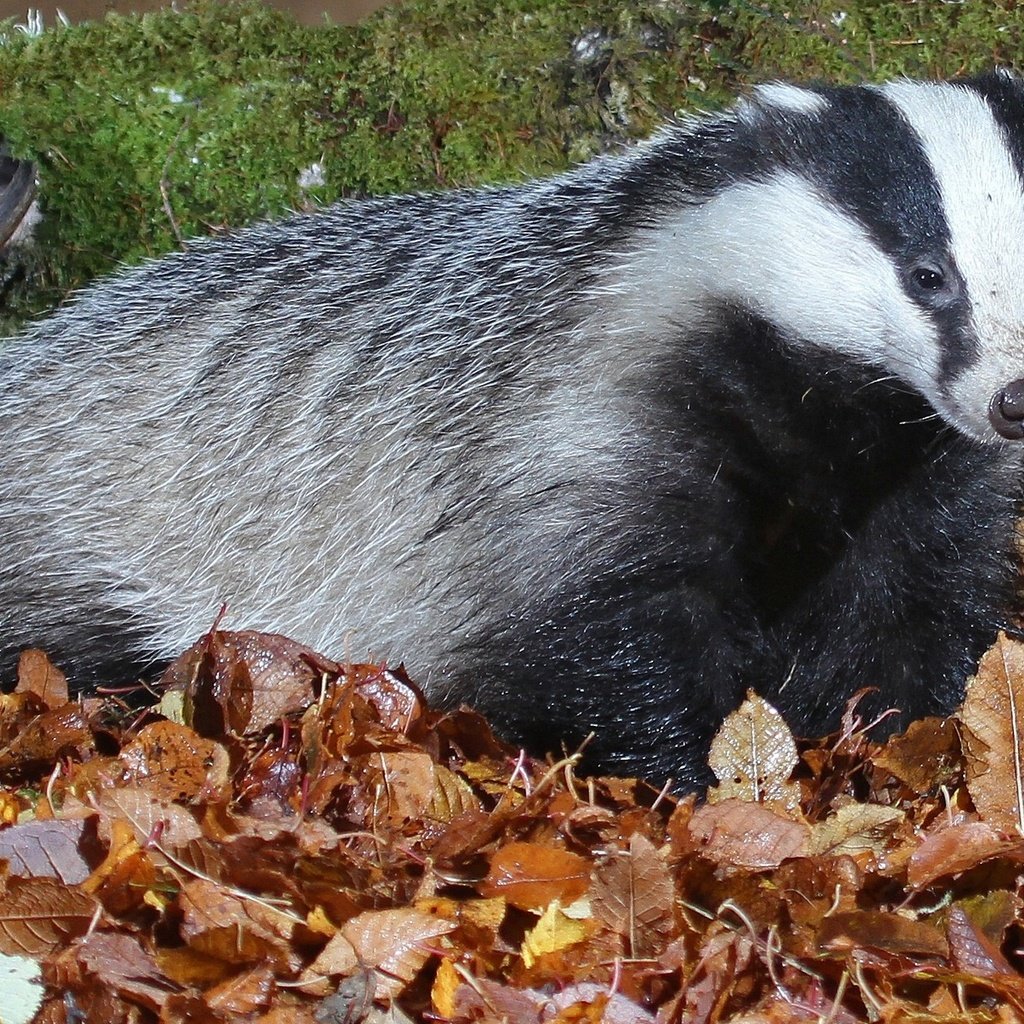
(1006,411)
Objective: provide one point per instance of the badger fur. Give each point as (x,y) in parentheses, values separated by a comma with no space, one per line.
(740,407)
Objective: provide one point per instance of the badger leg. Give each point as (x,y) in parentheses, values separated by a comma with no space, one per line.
(651,673)
(913,600)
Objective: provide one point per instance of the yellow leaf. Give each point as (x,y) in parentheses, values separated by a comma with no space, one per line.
(553,932)
(442,992)
(318,921)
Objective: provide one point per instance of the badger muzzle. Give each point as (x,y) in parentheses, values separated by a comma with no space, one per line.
(1006,411)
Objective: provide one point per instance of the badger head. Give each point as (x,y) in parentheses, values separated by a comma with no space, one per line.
(885,223)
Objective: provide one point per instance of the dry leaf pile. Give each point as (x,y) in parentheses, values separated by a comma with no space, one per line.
(287,839)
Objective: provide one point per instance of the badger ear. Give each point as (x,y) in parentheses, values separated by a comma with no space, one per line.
(781,97)
(1007,73)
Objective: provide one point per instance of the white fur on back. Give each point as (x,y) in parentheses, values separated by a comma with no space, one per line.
(785,96)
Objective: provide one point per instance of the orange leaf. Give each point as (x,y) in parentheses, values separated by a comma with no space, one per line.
(532,875)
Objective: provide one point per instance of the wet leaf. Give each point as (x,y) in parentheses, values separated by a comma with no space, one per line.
(745,835)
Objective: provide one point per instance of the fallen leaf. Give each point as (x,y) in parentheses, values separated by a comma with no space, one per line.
(882,932)
(555,931)
(737,834)
(992,723)
(38,675)
(633,894)
(971,950)
(925,755)
(395,943)
(532,875)
(65,849)
(753,755)
(956,848)
(243,994)
(242,680)
(855,829)
(121,964)
(174,763)
(37,915)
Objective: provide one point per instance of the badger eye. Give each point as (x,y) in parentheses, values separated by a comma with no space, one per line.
(928,278)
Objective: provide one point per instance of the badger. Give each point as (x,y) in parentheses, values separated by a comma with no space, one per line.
(739,407)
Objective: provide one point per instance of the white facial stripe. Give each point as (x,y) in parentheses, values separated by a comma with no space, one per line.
(783,251)
(984,208)
(785,96)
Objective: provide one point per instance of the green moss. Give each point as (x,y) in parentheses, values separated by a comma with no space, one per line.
(153,128)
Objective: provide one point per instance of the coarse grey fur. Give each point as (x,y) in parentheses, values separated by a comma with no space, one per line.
(596,451)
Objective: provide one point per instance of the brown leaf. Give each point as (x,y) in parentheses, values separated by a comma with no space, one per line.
(532,875)
(66,850)
(399,704)
(924,756)
(992,720)
(882,932)
(122,965)
(38,915)
(155,822)
(633,895)
(243,680)
(737,834)
(244,994)
(812,889)
(174,763)
(753,755)
(956,848)
(409,783)
(856,829)
(47,738)
(396,943)
(972,951)
(235,928)
(38,675)
(452,796)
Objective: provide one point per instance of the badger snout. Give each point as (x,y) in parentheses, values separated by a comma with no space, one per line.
(1006,411)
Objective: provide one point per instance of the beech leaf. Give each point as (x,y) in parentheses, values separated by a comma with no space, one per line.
(532,875)
(753,755)
(39,914)
(634,895)
(992,719)
(396,943)
(54,849)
